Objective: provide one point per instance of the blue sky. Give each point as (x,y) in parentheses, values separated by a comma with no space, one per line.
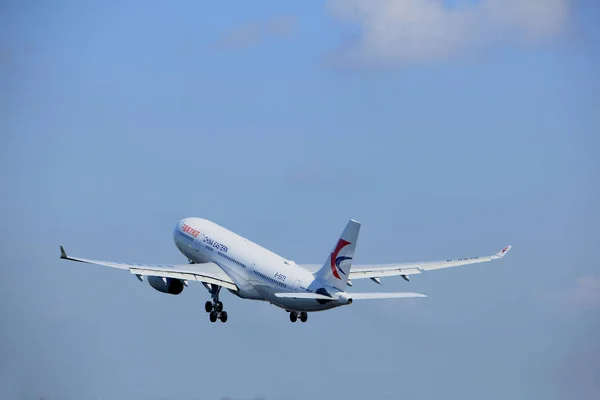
(446,135)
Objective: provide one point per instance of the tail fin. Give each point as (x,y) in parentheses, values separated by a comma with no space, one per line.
(336,269)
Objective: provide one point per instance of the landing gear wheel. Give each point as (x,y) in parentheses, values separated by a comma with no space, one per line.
(303,316)
(223,316)
(213,316)
(293,316)
(214,307)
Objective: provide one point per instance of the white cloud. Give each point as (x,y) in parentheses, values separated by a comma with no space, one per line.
(397,31)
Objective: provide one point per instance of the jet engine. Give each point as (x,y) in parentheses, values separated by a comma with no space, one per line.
(166,285)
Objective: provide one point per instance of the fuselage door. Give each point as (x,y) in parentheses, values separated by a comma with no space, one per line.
(198,242)
(296,285)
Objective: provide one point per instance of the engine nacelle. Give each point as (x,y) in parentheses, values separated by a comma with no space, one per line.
(166,285)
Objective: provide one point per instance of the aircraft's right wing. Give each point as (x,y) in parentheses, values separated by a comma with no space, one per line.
(207,273)
(375,271)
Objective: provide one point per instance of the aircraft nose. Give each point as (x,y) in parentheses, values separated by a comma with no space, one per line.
(180,224)
(191,222)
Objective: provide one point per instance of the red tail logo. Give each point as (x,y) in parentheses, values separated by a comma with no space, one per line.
(334,263)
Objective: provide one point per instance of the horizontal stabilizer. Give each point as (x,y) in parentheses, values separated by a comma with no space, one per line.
(373,296)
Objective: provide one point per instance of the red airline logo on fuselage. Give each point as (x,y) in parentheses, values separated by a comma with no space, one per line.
(188,229)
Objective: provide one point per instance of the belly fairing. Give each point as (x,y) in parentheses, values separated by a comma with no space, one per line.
(302,304)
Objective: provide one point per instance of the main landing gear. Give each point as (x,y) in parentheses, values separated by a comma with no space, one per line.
(215,311)
(214,308)
(295,315)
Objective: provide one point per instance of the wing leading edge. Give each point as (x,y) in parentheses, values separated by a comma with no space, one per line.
(207,272)
(405,269)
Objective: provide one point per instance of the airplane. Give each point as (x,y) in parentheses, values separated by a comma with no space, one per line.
(219,258)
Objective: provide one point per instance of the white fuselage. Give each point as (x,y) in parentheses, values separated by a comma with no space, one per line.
(259,273)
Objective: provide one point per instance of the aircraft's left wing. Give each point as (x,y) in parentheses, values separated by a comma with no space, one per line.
(207,272)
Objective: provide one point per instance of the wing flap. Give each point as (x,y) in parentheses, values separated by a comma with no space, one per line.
(188,276)
(380,271)
(207,272)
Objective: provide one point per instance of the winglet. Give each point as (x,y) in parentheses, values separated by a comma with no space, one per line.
(63,253)
(503,252)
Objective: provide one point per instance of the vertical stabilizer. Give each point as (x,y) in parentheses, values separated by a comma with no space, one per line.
(336,269)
